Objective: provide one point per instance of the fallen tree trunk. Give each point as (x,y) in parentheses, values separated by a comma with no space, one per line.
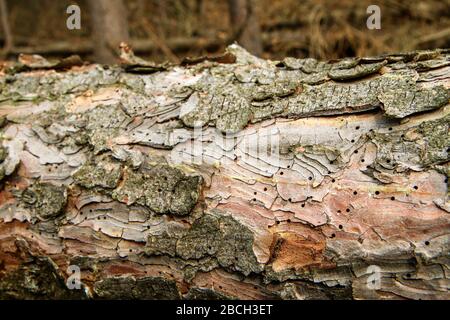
(230,177)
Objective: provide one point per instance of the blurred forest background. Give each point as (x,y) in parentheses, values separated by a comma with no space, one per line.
(173,29)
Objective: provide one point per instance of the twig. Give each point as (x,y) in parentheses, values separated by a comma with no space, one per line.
(160,42)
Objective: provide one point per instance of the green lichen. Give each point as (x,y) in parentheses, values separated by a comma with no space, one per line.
(211,236)
(407,98)
(146,288)
(51,85)
(102,173)
(47,201)
(359,71)
(161,188)
(414,148)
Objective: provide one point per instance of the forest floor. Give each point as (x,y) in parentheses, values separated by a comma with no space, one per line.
(325,29)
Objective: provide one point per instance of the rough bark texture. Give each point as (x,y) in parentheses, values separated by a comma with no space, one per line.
(156,183)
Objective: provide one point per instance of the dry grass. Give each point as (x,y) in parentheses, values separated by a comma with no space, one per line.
(323,29)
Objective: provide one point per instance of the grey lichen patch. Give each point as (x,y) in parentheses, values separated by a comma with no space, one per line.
(230,96)
(147,288)
(103,124)
(52,85)
(47,201)
(415,148)
(194,112)
(162,245)
(37,279)
(100,139)
(407,98)
(355,72)
(335,98)
(9,156)
(102,172)
(106,117)
(161,188)
(213,236)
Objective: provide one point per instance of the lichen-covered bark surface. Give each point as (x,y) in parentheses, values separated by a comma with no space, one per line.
(226,177)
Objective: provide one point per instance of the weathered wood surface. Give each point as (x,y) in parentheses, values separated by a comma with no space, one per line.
(158,181)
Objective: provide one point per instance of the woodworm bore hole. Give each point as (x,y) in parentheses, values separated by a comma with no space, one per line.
(392,198)
(427,243)
(377,192)
(340,226)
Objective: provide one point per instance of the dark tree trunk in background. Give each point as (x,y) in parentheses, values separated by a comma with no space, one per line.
(245,25)
(8,44)
(109,28)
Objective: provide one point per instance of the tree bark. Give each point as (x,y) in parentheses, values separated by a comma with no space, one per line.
(229,178)
(109,28)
